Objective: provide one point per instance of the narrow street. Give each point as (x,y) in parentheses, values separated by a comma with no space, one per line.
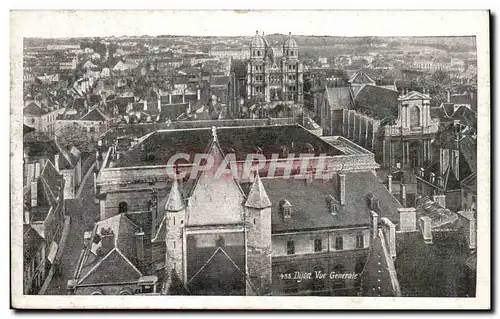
(84,213)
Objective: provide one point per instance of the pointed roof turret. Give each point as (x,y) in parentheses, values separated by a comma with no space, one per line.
(174,202)
(257,197)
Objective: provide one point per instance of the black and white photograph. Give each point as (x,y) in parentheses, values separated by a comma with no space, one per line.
(261,156)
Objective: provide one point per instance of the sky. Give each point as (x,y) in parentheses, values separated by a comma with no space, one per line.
(241,23)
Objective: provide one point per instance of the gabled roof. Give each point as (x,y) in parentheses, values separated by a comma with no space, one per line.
(95,115)
(32,242)
(50,192)
(33,109)
(414,95)
(220,272)
(377,102)
(69,156)
(27,129)
(379,277)
(118,264)
(361,77)
(339,97)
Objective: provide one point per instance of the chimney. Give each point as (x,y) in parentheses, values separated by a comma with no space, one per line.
(389,231)
(26,219)
(440,181)
(159,103)
(407,219)
(402,193)
(448,96)
(440,199)
(341,185)
(468,223)
(373,224)
(432,178)
(389,183)
(56,162)
(139,247)
(37,169)
(198,94)
(107,240)
(145,105)
(454,162)
(34,193)
(426,229)
(444,160)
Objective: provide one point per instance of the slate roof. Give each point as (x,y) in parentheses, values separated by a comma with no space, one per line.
(95,115)
(50,188)
(27,129)
(440,217)
(172,111)
(69,157)
(257,196)
(377,102)
(39,145)
(32,242)
(340,98)
(471,182)
(379,277)
(432,270)
(361,77)
(215,270)
(33,109)
(158,147)
(239,67)
(117,265)
(310,207)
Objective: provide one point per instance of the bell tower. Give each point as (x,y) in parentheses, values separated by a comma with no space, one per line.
(258,224)
(175,214)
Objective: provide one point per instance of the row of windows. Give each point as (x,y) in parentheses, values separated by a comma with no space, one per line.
(292,67)
(318,244)
(291,52)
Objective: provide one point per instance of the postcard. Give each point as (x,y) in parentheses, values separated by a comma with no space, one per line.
(261,160)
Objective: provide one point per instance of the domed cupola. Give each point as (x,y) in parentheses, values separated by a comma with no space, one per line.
(290,48)
(258,46)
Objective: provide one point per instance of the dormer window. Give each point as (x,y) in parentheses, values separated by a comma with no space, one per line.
(333,205)
(372,202)
(286,209)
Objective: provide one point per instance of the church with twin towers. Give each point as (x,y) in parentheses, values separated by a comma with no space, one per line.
(272,78)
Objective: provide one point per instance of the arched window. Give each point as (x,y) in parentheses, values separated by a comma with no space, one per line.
(122,207)
(414,116)
(125,292)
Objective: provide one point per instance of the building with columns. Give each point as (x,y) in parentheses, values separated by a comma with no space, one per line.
(409,140)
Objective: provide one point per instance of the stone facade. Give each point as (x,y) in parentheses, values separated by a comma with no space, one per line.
(273,79)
